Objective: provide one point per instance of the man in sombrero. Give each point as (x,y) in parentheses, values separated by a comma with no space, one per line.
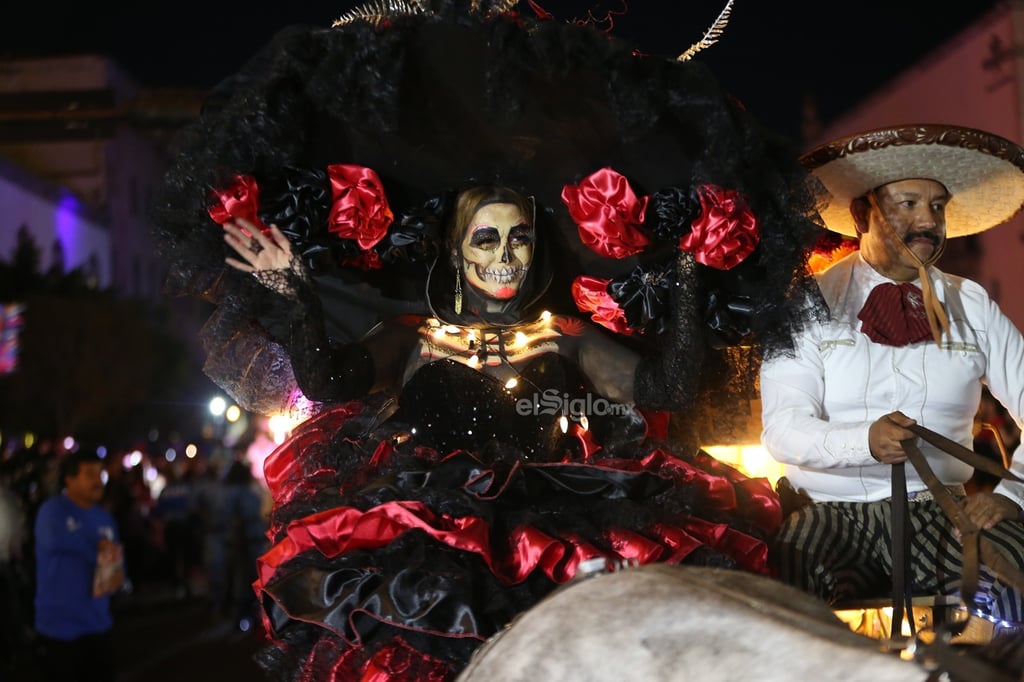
(904,346)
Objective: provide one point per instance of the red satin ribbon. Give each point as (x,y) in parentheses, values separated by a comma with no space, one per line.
(715,490)
(631,545)
(760,504)
(679,543)
(360,210)
(240,199)
(591,296)
(608,214)
(529,548)
(725,232)
(366,260)
(343,529)
(397,661)
(657,423)
(749,552)
(585,438)
(382,455)
(282,470)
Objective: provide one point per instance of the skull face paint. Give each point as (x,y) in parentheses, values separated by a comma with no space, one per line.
(497,250)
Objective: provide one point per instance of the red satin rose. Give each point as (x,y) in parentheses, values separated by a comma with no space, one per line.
(608,214)
(240,199)
(592,297)
(360,210)
(725,232)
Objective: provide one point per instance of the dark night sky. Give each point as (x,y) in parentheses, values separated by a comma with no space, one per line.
(772,53)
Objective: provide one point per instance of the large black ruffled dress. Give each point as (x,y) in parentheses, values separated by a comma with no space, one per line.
(409,528)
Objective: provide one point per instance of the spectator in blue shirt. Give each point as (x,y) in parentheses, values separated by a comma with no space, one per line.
(78,566)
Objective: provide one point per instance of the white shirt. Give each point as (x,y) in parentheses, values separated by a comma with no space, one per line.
(819,405)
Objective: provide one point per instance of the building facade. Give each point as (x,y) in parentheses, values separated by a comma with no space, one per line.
(83,149)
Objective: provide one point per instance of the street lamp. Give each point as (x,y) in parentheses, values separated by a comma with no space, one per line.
(218,406)
(226,426)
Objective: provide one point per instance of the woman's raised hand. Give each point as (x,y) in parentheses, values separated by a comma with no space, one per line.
(259,252)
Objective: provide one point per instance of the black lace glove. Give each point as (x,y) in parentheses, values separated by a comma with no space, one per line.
(287,282)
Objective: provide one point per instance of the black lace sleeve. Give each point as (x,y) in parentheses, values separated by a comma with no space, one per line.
(324,371)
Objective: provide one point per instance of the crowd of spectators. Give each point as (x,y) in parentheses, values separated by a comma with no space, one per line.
(191,529)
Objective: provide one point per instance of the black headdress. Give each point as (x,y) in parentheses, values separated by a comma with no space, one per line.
(630,158)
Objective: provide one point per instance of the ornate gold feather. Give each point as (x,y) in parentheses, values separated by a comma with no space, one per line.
(710,36)
(496,7)
(380,10)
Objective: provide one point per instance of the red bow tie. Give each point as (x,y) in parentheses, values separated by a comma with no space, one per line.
(894,315)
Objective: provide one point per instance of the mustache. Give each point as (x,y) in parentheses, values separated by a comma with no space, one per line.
(930,236)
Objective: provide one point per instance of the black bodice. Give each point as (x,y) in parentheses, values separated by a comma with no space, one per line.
(448,406)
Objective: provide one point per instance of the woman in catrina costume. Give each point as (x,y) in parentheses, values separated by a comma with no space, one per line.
(514,273)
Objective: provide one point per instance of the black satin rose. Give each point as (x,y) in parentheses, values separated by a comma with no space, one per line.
(297,202)
(415,235)
(728,317)
(670,213)
(644,297)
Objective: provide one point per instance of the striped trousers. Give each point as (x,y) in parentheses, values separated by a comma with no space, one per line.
(841,551)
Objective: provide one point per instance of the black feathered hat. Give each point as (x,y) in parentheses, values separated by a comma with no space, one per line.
(444,93)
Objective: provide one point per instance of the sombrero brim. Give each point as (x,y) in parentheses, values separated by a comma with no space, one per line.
(984,173)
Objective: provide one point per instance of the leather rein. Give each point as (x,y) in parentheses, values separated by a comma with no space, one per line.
(977,550)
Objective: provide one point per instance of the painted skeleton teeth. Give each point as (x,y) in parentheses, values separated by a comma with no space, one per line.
(502,276)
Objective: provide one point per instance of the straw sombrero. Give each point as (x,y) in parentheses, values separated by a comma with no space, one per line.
(984,173)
